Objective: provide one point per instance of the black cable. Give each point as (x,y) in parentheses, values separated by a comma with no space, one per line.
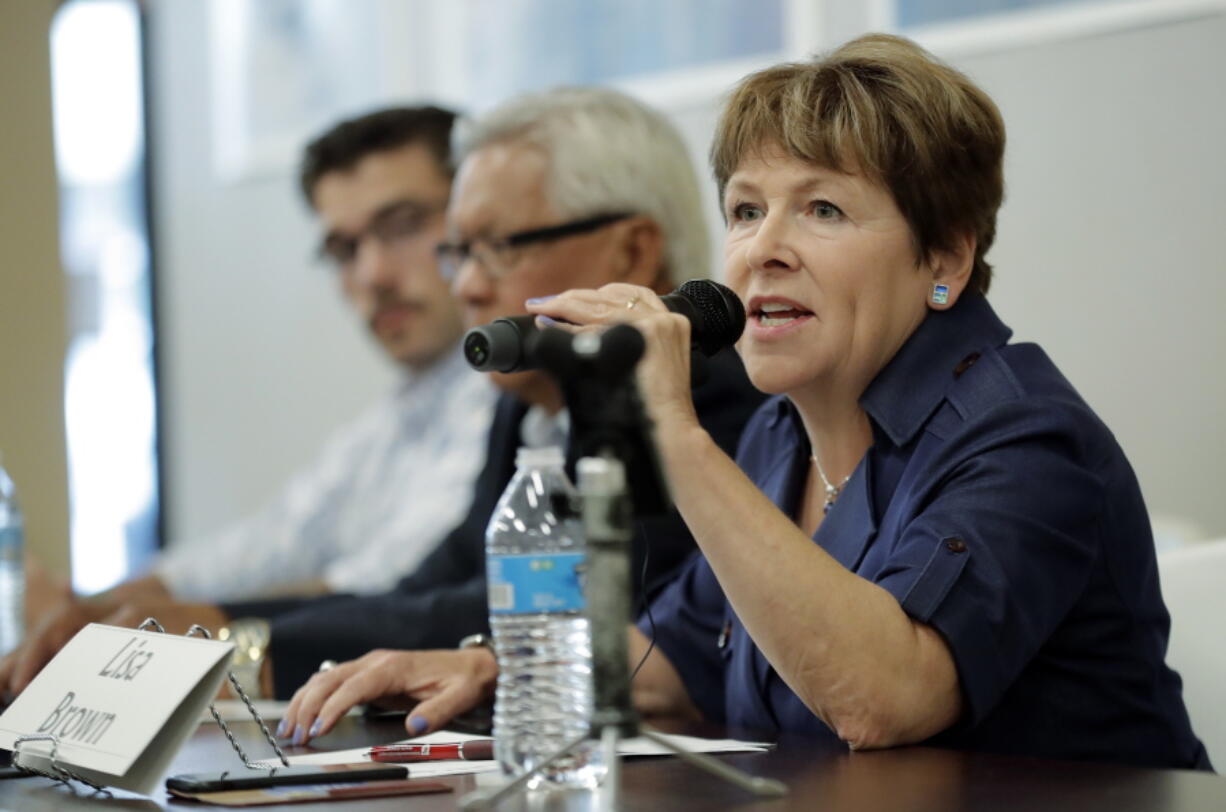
(645,605)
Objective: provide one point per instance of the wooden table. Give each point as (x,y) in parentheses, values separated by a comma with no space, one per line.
(821,779)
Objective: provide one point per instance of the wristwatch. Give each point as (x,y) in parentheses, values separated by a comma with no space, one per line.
(477,641)
(250,636)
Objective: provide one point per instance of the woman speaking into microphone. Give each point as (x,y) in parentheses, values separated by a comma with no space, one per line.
(927,535)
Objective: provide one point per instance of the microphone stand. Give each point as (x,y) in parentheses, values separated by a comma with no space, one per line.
(613,428)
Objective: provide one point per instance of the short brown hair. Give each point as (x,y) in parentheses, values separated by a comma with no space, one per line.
(344,145)
(885,106)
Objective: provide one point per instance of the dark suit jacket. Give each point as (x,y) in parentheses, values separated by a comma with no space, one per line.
(445,598)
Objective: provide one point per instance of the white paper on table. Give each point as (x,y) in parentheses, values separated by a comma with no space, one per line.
(420,769)
(641,746)
(638,746)
(233,710)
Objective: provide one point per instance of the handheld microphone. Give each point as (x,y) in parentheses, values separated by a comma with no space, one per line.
(716,317)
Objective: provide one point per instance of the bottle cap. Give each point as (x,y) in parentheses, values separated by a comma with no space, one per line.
(546,456)
(599,475)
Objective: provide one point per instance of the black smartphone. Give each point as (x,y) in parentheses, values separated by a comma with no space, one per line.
(195,783)
(6,768)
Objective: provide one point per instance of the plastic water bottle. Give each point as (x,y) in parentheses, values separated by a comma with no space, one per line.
(12,566)
(534,561)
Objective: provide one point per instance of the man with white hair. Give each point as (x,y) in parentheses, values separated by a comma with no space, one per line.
(576,187)
(570,188)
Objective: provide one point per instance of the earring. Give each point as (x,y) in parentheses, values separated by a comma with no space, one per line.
(940,294)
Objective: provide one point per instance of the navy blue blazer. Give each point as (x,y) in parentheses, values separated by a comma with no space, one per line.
(998,509)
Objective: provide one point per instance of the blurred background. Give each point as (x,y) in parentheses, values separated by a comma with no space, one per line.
(169,352)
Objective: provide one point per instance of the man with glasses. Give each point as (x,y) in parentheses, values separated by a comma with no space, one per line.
(570,188)
(389,486)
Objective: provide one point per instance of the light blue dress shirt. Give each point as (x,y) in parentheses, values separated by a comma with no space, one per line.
(384,491)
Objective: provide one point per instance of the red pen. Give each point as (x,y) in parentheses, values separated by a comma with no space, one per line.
(476,750)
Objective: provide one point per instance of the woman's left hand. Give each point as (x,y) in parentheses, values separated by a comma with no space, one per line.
(664,372)
(434,686)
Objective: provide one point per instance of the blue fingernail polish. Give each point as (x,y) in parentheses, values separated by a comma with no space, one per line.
(283,728)
(546,320)
(300,736)
(540,299)
(417,725)
(315,728)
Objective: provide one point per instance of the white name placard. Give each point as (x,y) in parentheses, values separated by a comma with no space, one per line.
(121,702)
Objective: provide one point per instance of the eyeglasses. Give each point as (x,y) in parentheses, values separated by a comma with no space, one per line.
(392,227)
(497,254)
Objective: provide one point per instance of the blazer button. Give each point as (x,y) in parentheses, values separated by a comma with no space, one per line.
(955,545)
(965,364)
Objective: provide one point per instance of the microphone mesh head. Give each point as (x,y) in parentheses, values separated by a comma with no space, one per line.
(721,311)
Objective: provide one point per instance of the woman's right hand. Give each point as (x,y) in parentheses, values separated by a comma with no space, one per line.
(663,374)
(435,686)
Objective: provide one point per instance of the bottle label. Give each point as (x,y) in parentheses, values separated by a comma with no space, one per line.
(525,584)
(10,536)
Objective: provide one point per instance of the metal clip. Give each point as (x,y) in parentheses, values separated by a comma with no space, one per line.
(238,689)
(58,773)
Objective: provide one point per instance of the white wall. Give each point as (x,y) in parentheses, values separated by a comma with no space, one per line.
(1110,251)
(260,357)
(1108,255)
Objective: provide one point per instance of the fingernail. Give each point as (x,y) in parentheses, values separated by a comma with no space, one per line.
(315,728)
(283,728)
(539,299)
(300,735)
(418,725)
(545,320)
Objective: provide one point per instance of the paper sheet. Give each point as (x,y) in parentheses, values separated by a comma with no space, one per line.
(233,710)
(429,769)
(640,746)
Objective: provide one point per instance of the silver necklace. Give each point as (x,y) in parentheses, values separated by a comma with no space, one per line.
(832,491)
